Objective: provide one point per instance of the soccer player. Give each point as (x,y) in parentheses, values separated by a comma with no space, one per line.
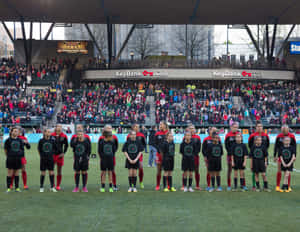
(168,153)
(107,148)
(24,161)
(214,160)
(259,162)
(206,142)
(82,150)
(259,131)
(160,137)
(188,150)
(14,149)
(47,148)
(287,153)
(278,144)
(132,149)
(62,148)
(239,153)
(108,128)
(142,140)
(229,141)
(1,135)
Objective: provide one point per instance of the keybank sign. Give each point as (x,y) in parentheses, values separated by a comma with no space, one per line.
(295,48)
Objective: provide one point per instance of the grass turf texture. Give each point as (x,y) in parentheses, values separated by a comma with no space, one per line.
(146,210)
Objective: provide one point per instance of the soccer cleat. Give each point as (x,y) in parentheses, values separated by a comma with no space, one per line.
(198,188)
(18,190)
(244,188)
(85,190)
(287,191)
(277,189)
(207,189)
(257,190)
(173,189)
(185,189)
(166,190)
(234,189)
(134,190)
(8,190)
(54,190)
(219,189)
(267,190)
(253,189)
(211,190)
(58,188)
(75,190)
(26,187)
(228,188)
(130,190)
(182,188)
(191,190)
(102,190)
(111,190)
(115,188)
(157,188)
(290,189)
(281,190)
(142,185)
(42,190)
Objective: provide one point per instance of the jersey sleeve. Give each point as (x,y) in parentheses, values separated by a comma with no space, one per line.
(227,144)
(276,147)
(204,148)
(66,144)
(124,148)
(182,148)
(40,146)
(6,144)
(246,153)
(222,151)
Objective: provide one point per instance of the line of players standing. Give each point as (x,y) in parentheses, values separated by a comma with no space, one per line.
(53,146)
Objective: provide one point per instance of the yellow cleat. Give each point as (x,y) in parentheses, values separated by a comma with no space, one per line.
(287,190)
(166,190)
(290,189)
(173,189)
(278,189)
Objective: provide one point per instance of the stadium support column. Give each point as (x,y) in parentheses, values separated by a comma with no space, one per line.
(273,41)
(30,45)
(94,41)
(24,42)
(8,32)
(126,41)
(253,40)
(109,41)
(49,31)
(268,44)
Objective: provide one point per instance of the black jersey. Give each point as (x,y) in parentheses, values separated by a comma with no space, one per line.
(214,151)
(258,152)
(107,148)
(238,150)
(168,149)
(188,150)
(286,153)
(133,148)
(81,149)
(47,147)
(14,147)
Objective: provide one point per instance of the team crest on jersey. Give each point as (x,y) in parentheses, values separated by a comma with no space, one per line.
(132,149)
(79,150)
(286,154)
(258,153)
(238,151)
(15,146)
(216,151)
(171,150)
(188,150)
(47,147)
(107,148)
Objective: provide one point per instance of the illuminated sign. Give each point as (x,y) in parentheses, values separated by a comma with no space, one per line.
(72,47)
(295,48)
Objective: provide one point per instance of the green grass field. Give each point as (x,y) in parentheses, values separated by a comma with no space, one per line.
(146,210)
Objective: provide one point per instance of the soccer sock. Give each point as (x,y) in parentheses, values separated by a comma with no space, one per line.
(289,180)
(17,182)
(158,177)
(102,185)
(134,181)
(24,177)
(218,181)
(235,182)
(197,178)
(42,179)
(164,181)
(84,179)
(51,177)
(58,180)
(257,184)
(265,184)
(12,180)
(110,185)
(170,181)
(190,182)
(129,181)
(114,178)
(253,180)
(208,179)
(242,182)
(184,182)
(229,181)
(141,174)
(8,181)
(278,179)
(213,181)
(77,177)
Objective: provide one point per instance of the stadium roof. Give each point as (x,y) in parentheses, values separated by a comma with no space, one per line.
(153,11)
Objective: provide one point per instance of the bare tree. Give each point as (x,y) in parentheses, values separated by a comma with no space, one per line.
(190,40)
(144,43)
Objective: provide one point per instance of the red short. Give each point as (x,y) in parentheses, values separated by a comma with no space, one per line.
(114,161)
(24,161)
(279,160)
(141,158)
(59,161)
(229,159)
(196,159)
(158,158)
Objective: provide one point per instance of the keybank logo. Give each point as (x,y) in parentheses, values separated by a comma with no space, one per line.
(295,47)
